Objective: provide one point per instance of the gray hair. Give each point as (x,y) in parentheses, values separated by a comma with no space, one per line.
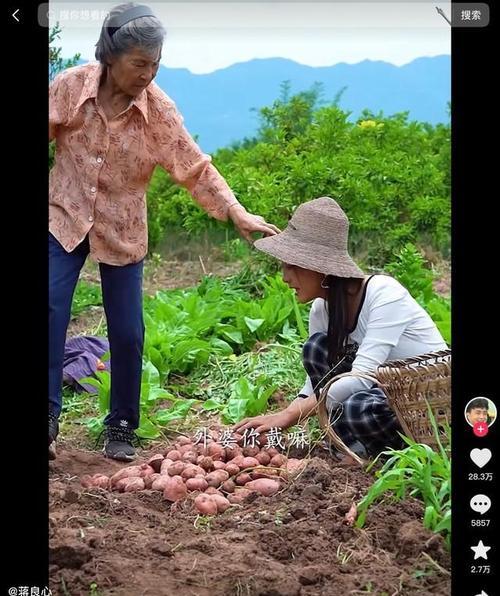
(145,32)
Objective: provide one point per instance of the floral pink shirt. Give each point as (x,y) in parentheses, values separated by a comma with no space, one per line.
(102,168)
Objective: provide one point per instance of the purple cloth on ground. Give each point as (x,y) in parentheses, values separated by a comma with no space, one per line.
(81,355)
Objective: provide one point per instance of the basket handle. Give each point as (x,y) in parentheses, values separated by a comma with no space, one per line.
(324,419)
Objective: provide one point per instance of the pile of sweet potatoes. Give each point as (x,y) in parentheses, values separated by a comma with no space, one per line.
(214,476)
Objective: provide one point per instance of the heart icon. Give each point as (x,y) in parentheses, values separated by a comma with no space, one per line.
(480,457)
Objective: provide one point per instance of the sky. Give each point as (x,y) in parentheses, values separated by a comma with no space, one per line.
(207,36)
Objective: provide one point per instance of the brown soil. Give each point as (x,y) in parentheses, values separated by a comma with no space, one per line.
(294,543)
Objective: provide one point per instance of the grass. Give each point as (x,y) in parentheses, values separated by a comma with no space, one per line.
(280,363)
(86,294)
(416,471)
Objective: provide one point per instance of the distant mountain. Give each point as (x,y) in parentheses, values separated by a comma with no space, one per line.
(217,106)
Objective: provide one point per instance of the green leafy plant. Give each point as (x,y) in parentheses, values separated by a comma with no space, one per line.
(247,399)
(86,294)
(409,268)
(152,396)
(387,173)
(416,471)
(185,327)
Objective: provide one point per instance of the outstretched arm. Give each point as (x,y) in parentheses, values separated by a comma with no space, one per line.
(298,411)
(247,223)
(189,167)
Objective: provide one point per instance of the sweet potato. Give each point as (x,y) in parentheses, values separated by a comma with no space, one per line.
(233,452)
(165,464)
(264,486)
(155,462)
(189,471)
(294,466)
(351,515)
(251,451)
(146,470)
(228,486)
(232,469)
(175,490)
(214,435)
(127,472)
(201,449)
(174,455)
(199,470)
(243,491)
(249,462)
(123,482)
(219,465)
(271,451)
(278,460)
(87,481)
(196,484)
(186,448)
(262,472)
(222,503)
(183,440)
(205,462)
(238,438)
(134,485)
(263,458)
(262,438)
(100,481)
(148,480)
(212,491)
(161,482)
(238,460)
(176,468)
(190,457)
(216,478)
(205,504)
(242,479)
(216,451)
(239,495)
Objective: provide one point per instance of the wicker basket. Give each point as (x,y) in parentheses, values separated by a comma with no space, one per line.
(410,385)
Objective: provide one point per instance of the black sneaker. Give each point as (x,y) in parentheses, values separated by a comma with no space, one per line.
(119,443)
(53,432)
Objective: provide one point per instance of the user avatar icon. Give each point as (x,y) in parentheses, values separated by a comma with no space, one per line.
(480,410)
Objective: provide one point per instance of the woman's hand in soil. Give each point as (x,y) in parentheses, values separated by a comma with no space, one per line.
(264,423)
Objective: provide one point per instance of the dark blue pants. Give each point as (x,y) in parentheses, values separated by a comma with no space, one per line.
(122,299)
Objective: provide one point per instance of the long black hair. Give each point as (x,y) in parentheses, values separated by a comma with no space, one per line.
(338,320)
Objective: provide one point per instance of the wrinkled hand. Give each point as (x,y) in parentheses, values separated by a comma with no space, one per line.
(264,423)
(246,223)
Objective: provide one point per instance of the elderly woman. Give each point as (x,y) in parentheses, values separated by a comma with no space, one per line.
(112,125)
(356,322)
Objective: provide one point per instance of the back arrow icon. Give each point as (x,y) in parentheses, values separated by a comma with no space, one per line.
(15,13)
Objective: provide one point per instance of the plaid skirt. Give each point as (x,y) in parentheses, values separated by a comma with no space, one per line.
(364,421)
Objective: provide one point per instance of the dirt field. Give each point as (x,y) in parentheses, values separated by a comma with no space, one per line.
(294,543)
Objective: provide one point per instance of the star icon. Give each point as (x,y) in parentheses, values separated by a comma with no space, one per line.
(480,551)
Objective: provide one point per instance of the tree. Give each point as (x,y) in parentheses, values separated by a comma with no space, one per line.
(56,63)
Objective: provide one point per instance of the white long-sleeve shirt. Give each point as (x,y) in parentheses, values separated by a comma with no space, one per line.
(391,325)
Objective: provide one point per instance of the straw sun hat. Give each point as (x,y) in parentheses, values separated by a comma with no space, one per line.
(315,239)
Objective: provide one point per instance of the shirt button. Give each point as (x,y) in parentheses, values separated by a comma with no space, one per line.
(91,218)
(93,189)
(99,160)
